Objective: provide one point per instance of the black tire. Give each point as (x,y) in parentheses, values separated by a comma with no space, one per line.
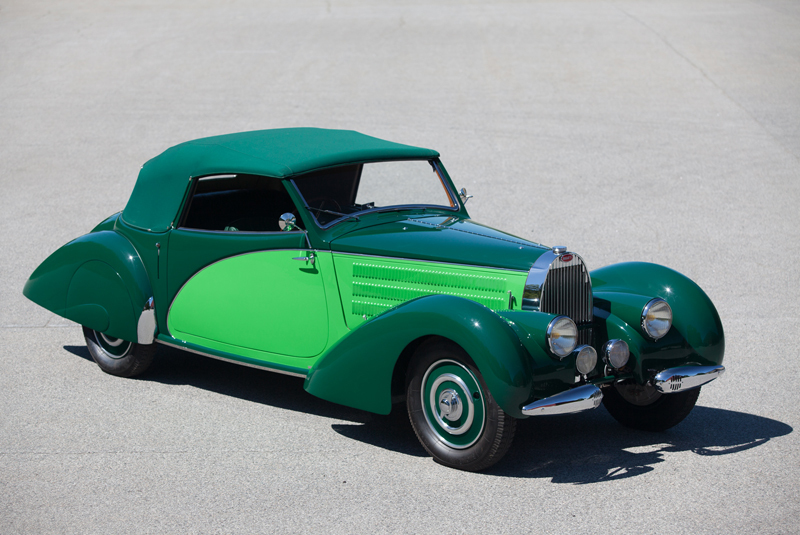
(481,432)
(117,356)
(643,407)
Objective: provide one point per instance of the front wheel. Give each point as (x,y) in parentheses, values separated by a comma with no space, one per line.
(117,356)
(453,414)
(643,407)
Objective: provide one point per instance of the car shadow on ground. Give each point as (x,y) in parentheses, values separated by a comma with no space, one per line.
(592,447)
(176,367)
(580,448)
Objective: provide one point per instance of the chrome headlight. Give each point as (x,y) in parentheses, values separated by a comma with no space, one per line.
(586,360)
(562,336)
(656,318)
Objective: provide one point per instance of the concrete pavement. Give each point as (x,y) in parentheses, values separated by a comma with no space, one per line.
(661,131)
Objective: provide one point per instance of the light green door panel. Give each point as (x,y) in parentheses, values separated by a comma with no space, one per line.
(372,285)
(263,301)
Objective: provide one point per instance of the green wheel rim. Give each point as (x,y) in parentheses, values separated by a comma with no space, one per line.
(116,348)
(453,403)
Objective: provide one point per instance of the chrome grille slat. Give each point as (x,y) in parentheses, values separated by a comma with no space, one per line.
(567,290)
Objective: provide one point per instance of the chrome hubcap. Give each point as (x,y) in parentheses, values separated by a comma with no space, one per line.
(454,410)
(453,404)
(450,407)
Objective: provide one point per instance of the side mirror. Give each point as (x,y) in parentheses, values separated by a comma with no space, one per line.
(287,222)
(464,196)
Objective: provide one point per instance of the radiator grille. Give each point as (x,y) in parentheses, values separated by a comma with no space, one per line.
(567,290)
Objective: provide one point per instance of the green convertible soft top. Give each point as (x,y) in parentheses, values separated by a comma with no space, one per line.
(280,153)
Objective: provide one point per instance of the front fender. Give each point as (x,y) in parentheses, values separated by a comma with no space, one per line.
(97,280)
(358,370)
(620,293)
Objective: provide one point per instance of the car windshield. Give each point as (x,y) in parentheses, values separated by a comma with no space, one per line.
(344,192)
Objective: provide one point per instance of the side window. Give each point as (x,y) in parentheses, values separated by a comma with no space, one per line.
(237,203)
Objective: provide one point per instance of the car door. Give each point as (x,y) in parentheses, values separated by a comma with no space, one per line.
(240,284)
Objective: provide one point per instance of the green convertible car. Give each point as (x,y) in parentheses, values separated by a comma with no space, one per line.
(352,262)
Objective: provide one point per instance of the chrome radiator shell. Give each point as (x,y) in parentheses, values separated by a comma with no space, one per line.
(559,283)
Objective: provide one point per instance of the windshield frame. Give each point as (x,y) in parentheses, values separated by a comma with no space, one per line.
(354,216)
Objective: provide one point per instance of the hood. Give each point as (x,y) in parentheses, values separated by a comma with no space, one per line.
(442,239)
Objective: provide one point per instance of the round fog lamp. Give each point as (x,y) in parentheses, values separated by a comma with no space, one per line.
(616,353)
(586,360)
(656,318)
(562,336)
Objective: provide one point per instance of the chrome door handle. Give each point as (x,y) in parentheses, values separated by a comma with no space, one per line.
(309,258)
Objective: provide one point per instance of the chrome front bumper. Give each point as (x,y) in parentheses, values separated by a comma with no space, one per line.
(586,397)
(578,399)
(682,378)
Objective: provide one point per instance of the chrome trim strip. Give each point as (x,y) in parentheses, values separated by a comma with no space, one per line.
(146,327)
(444,227)
(552,286)
(237,232)
(429,261)
(579,399)
(534,284)
(234,361)
(437,166)
(673,380)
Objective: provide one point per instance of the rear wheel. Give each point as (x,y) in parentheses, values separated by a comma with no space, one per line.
(644,407)
(453,414)
(117,356)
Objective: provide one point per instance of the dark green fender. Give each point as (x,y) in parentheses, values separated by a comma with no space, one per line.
(620,293)
(358,370)
(97,280)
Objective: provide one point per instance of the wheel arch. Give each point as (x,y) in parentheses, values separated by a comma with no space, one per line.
(621,291)
(99,281)
(401,366)
(352,374)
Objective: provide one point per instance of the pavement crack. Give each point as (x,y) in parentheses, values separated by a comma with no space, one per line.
(705,75)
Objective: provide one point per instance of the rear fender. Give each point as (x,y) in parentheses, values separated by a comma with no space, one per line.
(97,280)
(358,370)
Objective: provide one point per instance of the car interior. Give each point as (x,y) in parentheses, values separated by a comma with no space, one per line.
(237,203)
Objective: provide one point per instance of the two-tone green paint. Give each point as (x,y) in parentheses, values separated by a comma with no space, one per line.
(438,238)
(380,283)
(265,302)
(371,285)
(358,370)
(238,358)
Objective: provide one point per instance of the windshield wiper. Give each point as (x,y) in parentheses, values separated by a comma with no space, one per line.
(346,216)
